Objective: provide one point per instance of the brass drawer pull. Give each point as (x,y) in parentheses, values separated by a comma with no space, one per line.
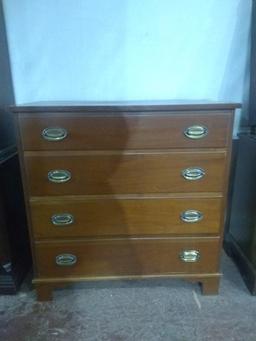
(190,256)
(59,175)
(66,259)
(193,173)
(62,219)
(196,132)
(191,216)
(54,134)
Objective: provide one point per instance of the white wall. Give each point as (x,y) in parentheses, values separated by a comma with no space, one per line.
(128,49)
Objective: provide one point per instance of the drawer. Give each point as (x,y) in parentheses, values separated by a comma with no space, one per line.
(127,257)
(79,217)
(116,173)
(121,131)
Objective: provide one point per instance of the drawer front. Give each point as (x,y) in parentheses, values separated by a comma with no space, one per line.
(125,217)
(123,173)
(127,257)
(119,132)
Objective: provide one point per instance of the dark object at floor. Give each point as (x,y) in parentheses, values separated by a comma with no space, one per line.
(252,99)
(241,237)
(14,247)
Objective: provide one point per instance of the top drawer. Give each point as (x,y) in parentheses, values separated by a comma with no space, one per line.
(124,131)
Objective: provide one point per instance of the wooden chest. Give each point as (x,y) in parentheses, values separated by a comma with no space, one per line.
(125,191)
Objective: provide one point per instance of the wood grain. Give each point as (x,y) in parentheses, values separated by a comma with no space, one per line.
(124,217)
(120,174)
(126,191)
(122,132)
(127,257)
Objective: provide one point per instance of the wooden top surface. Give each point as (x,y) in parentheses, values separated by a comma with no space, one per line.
(68,106)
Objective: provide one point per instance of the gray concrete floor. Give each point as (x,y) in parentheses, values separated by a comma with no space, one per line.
(152,310)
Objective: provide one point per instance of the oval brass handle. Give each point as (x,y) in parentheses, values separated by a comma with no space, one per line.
(62,219)
(193,173)
(59,175)
(66,259)
(54,133)
(191,216)
(190,256)
(196,132)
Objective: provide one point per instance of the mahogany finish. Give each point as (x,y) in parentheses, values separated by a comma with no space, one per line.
(127,193)
(127,257)
(158,172)
(124,131)
(124,217)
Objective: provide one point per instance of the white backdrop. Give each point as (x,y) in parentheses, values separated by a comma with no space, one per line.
(129,49)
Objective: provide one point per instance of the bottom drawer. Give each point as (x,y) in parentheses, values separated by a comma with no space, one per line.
(98,258)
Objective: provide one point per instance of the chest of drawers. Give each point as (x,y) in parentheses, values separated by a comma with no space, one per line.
(125,191)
